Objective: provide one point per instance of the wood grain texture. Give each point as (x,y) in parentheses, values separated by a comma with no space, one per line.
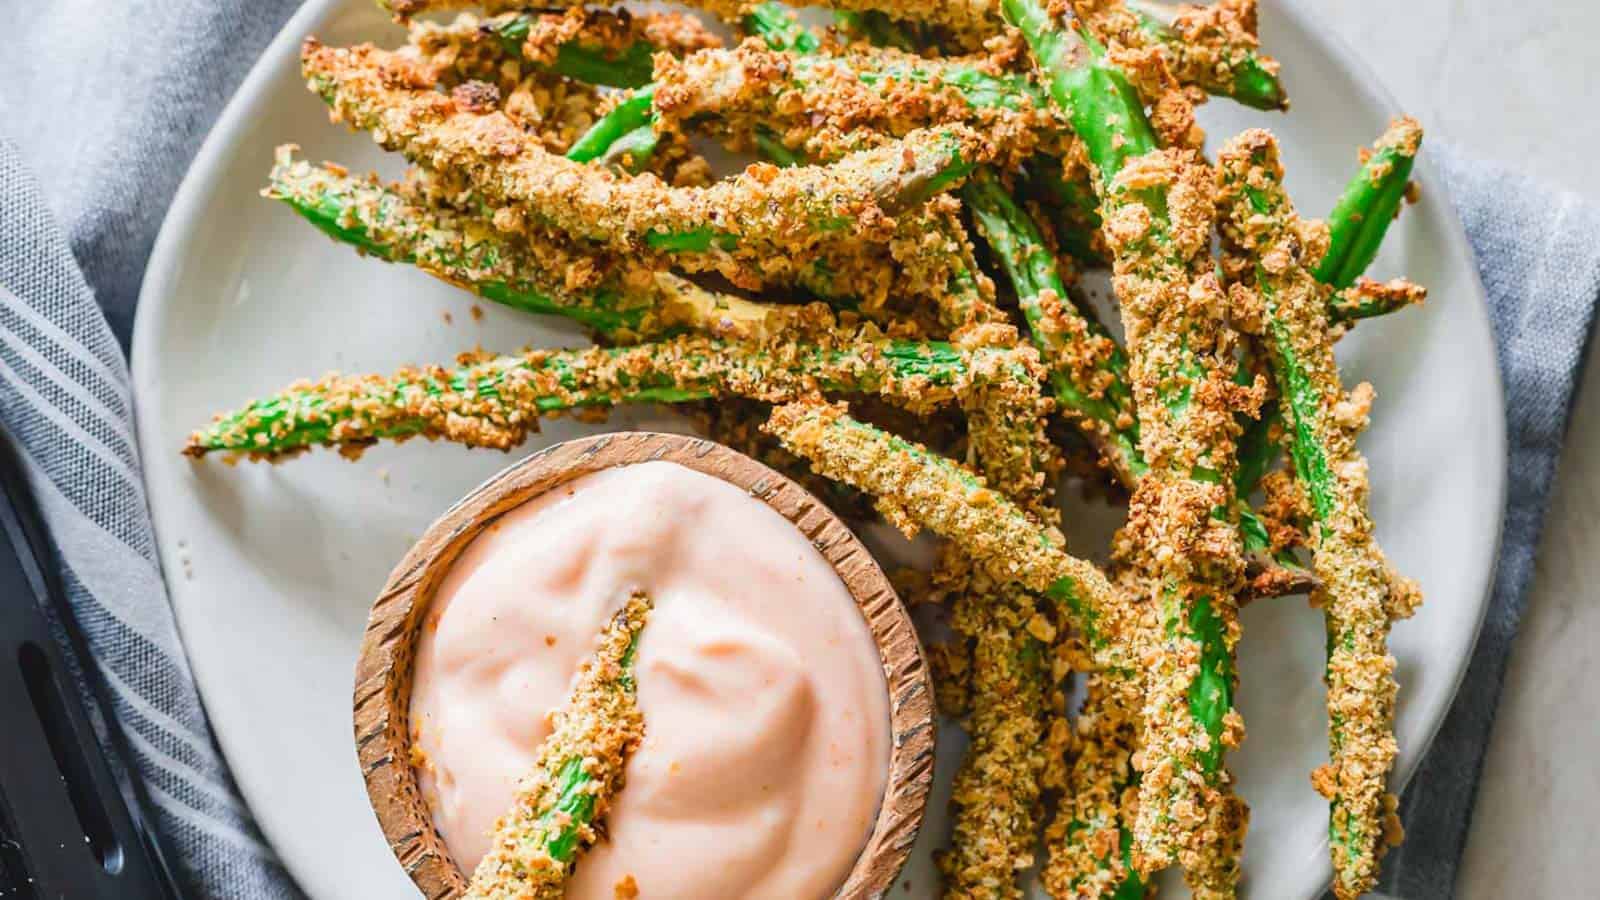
(383,672)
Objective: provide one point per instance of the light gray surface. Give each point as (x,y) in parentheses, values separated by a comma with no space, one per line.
(1514,82)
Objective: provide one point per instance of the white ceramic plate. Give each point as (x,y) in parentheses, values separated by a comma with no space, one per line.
(271,568)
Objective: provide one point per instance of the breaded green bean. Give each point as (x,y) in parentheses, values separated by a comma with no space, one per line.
(736,423)
(1159,212)
(1357,225)
(544,102)
(1366,299)
(629,127)
(1213,46)
(1262,226)
(621,300)
(558,806)
(496,401)
(916,489)
(1088,371)
(594,46)
(1369,203)
(1006,435)
(934,265)
(1005,419)
(823,104)
(996,796)
(760,226)
(1090,838)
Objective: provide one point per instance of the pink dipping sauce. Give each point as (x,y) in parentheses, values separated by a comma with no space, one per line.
(766,746)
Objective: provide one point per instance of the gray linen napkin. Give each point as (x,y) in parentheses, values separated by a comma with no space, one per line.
(109,103)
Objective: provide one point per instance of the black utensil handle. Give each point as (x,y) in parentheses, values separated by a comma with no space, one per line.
(71,824)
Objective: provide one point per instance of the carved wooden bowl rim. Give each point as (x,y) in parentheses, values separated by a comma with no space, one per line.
(383,671)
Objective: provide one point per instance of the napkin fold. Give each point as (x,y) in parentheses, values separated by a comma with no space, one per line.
(110,102)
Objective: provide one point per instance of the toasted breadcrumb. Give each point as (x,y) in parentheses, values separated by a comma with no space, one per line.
(594,733)
(828,105)
(1360,592)
(916,489)
(497,401)
(1182,352)
(996,797)
(754,228)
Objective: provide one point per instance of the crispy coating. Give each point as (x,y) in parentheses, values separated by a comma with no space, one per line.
(615,45)
(1145,64)
(825,105)
(1159,212)
(1005,420)
(613,32)
(964,23)
(1085,366)
(580,764)
(1006,436)
(935,262)
(496,401)
(917,489)
(760,226)
(1368,298)
(555,110)
(466,57)
(620,298)
(1216,42)
(1089,839)
(996,796)
(1359,587)
(1213,46)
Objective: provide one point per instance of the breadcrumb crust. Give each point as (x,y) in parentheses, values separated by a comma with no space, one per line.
(496,401)
(1360,593)
(755,228)
(595,732)
(1181,535)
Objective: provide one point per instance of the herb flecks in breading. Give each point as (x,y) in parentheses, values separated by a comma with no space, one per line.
(754,228)
(1276,248)
(496,401)
(579,770)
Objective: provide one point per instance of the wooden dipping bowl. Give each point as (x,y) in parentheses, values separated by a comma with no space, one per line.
(383,672)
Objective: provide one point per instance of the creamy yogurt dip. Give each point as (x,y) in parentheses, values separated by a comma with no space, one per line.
(766,746)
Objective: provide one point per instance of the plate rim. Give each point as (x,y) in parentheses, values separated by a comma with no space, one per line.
(164,265)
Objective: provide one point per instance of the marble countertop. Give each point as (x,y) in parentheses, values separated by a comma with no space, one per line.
(1511,81)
